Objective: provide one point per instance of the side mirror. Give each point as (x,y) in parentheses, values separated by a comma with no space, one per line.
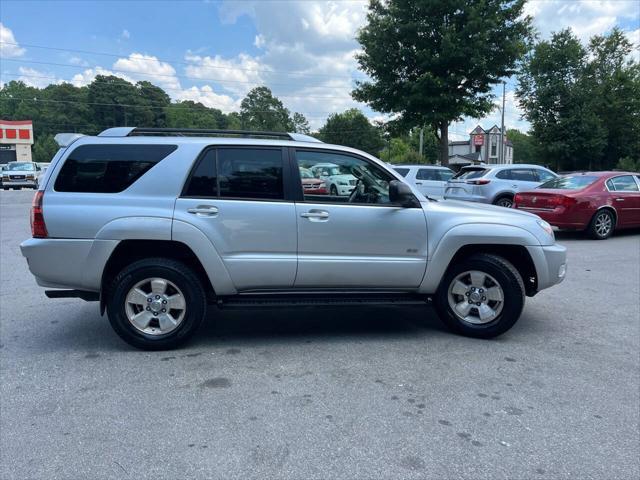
(401,194)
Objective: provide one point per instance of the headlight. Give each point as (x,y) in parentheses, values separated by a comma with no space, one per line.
(546,227)
(343,183)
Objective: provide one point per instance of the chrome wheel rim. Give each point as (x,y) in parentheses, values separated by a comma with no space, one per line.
(603,224)
(505,202)
(475,297)
(155,306)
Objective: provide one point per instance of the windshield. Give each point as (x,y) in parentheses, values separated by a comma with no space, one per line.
(19,166)
(304,173)
(402,171)
(469,173)
(569,183)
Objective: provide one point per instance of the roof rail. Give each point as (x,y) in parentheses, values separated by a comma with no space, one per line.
(65,139)
(203,132)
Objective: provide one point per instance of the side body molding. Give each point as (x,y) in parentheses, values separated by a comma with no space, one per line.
(200,244)
(440,254)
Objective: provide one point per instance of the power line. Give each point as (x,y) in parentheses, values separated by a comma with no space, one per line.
(122,81)
(177,62)
(153,75)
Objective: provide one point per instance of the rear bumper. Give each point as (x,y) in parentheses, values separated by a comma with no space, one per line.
(551,264)
(467,198)
(19,183)
(558,218)
(68,263)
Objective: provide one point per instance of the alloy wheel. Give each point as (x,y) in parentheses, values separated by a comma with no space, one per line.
(475,297)
(155,306)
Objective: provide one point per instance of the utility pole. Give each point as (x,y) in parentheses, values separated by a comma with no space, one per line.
(501,159)
(421,141)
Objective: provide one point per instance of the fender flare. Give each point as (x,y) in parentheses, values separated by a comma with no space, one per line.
(469,234)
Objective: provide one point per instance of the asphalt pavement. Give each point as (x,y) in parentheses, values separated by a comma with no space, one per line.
(325,392)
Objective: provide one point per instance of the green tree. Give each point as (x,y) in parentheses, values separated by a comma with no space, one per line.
(525,148)
(628,164)
(44,148)
(433,62)
(353,129)
(189,114)
(260,110)
(300,124)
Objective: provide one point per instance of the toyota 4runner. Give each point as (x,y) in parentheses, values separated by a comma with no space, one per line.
(158,225)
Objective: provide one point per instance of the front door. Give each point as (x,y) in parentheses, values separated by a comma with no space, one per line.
(626,199)
(360,240)
(236,197)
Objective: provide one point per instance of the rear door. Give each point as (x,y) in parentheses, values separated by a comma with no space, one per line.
(458,185)
(236,196)
(523,179)
(429,182)
(626,199)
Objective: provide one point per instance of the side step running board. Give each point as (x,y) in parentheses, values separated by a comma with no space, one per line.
(83,294)
(278,301)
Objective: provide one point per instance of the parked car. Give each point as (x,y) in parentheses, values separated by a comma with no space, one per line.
(311,184)
(158,227)
(431,180)
(340,181)
(598,202)
(16,175)
(496,184)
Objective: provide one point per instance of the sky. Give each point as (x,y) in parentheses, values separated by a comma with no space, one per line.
(214,52)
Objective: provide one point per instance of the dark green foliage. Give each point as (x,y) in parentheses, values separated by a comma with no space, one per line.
(435,61)
(583,103)
(353,129)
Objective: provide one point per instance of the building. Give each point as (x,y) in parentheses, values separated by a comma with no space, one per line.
(16,138)
(483,146)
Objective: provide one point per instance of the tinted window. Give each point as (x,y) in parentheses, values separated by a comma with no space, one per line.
(428,174)
(469,173)
(108,168)
(543,175)
(504,175)
(402,171)
(523,175)
(250,173)
(445,175)
(569,183)
(624,183)
(346,178)
(204,179)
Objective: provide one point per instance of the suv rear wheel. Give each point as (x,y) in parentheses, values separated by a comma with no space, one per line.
(481,296)
(504,201)
(156,303)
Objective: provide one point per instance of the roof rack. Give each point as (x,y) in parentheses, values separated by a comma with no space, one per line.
(203,132)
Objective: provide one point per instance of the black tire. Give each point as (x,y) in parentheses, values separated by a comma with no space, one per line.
(507,277)
(333,191)
(505,201)
(596,226)
(177,273)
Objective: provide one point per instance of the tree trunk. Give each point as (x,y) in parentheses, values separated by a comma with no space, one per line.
(444,144)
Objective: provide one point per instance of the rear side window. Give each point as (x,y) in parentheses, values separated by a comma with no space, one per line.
(402,171)
(543,175)
(249,173)
(570,182)
(108,168)
(470,173)
(624,183)
(428,174)
(523,175)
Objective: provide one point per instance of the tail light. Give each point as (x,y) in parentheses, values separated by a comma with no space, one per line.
(516,199)
(482,181)
(38,227)
(561,201)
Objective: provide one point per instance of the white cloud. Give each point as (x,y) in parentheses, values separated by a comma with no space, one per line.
(237,75)
(125,34)
(89,75)
(148,68)
(36,78)
(8,44)
(585,17)
(209,98)
(78,61)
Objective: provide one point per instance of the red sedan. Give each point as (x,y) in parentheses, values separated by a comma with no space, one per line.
(598,202)
(312,185)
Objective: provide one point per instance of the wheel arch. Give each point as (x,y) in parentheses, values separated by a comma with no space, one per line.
(129,251)
(609,208)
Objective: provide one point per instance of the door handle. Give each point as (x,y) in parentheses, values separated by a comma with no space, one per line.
(619,199)
(315,215)
(204,211)
(418,183)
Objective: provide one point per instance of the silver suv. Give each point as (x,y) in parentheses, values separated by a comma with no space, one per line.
(158,225)
(496,184)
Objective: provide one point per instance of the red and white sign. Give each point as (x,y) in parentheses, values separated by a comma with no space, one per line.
(16,132)
(478,140)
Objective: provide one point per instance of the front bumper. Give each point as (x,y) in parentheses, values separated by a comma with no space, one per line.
(19,183)
(344,190)
(551,264)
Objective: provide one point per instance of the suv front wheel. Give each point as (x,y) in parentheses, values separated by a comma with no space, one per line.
(156,303)
(481,296)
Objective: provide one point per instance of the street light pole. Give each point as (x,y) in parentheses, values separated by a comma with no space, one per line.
(502,126)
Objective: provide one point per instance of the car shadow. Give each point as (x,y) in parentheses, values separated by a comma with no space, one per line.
(87,331)
(580,235)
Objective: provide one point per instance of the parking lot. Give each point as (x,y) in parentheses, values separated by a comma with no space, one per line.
(323,392)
